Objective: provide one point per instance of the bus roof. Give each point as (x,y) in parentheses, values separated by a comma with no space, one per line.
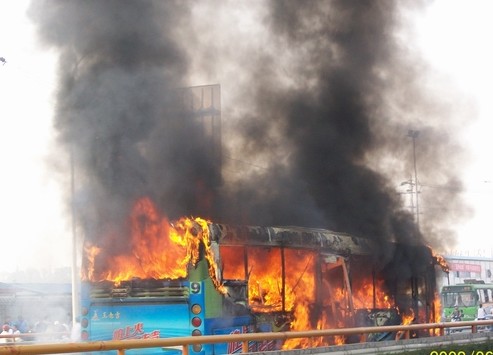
(323,240)
(466,287)
(473,281)
(292,237)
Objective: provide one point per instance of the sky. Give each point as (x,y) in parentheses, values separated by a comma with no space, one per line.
(452,34)
(454,37)
(35,227)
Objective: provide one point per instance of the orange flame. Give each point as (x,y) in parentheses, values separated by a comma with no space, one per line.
(440,261)
(437,305)
(370,295)
(407,318)
(157,250)
(160,250)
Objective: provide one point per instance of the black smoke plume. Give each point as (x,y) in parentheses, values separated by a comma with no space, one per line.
(318,97)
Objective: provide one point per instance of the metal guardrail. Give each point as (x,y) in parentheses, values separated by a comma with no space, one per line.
(183,342)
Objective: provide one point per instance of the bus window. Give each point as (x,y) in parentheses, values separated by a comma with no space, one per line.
(466,299)
(461,299)
(483,295)
(480,295)
(448,299)
(487,295)
(234,262)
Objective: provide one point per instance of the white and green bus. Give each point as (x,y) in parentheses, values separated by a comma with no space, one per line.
(467,297)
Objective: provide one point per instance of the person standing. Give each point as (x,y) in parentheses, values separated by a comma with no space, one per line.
(6,330)
(481,313)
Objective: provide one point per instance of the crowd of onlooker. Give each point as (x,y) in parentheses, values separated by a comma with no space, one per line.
(39,330)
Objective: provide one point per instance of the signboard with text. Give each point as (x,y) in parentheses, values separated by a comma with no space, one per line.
(465,267)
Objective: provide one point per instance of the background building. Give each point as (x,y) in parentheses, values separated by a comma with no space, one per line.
(35,303)
(465,266)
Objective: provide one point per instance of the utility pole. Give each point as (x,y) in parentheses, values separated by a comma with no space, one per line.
(75,269)
(414,134)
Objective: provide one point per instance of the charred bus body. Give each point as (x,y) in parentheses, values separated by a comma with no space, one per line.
(250,279)
(347,281)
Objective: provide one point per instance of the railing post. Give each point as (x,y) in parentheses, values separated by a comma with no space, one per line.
(244,346)
(184,350)
(121,351)
(474,328)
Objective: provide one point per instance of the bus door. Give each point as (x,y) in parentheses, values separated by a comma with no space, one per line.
(485,297)
(336,291)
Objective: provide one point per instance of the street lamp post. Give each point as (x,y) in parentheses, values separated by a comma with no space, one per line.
(75,269)
(414,134)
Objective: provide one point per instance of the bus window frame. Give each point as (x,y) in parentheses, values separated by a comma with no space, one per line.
(459,299)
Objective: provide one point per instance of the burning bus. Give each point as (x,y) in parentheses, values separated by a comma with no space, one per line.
(314,138)
(195,277)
